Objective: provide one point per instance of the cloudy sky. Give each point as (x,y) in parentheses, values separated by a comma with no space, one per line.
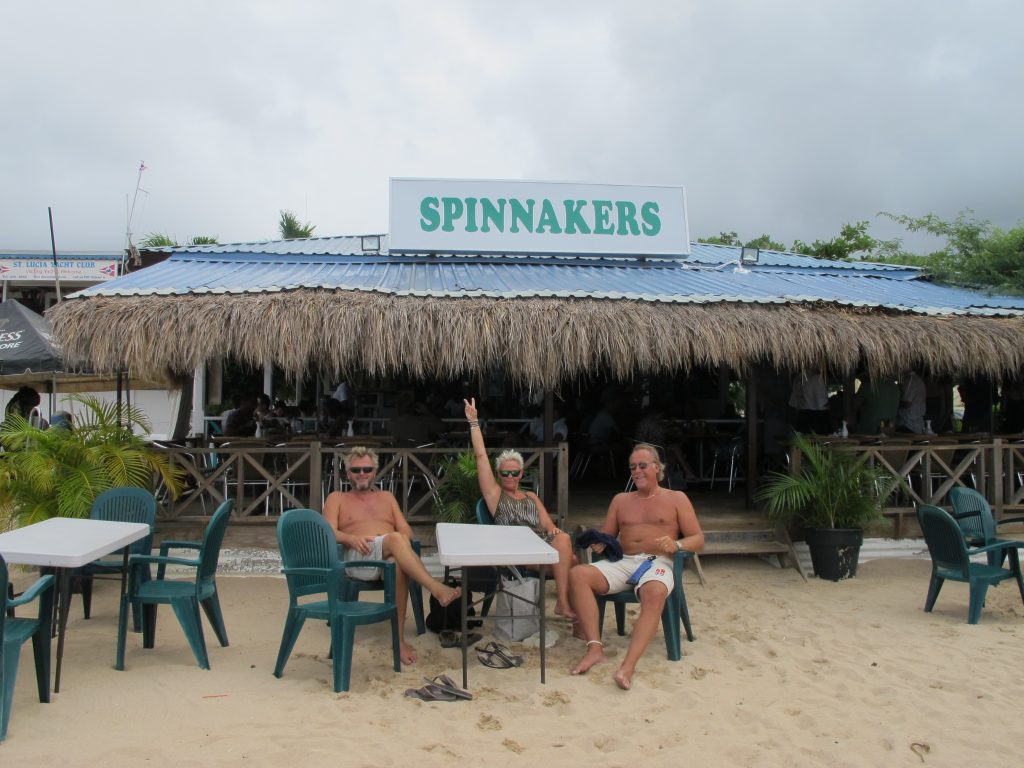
(784,117)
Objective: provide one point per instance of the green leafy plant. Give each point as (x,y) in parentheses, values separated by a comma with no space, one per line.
(833,489)
(455,498)
(59,472)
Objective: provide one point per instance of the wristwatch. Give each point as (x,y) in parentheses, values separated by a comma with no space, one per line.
(679,547)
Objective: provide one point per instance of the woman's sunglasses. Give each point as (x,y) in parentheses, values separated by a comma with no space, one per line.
(509,472)
(362,470)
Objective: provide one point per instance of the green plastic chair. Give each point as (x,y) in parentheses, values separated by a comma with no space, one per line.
(122,505)
(352,587)
(14,632)
(951,560)
(184,597)
(674,612)
(309,554)
(977,523)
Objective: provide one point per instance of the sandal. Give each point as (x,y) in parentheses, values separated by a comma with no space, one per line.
(430,692)
(448,685)
(497,656)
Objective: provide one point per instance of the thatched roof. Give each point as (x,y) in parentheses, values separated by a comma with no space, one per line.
(539,342)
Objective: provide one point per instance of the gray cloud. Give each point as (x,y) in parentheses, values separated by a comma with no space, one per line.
(788,117)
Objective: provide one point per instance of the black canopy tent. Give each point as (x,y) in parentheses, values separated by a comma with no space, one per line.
(26,347)
(30,357)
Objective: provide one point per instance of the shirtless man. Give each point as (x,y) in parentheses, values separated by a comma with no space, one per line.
(648,521)
(368,523)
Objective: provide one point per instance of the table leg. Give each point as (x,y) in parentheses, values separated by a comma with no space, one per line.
(124,572)
(464,603)
(63,604)
(543,619)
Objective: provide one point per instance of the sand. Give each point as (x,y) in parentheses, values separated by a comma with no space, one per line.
(781,673)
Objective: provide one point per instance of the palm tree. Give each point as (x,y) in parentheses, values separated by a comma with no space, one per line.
(160,240)
(157,240)
(291,229)
(59,472)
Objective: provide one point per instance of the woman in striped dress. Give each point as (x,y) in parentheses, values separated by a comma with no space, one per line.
(511,506)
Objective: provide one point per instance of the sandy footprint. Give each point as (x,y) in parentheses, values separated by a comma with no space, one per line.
(488,723)
(513,746)
(554,698)
(440,749)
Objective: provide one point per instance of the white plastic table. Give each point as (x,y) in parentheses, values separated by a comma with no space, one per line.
(64,544)
(467,546)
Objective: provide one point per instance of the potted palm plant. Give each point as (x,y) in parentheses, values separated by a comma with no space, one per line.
(59,472)
(833,495)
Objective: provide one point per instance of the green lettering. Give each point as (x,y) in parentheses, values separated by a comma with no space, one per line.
(453,209)
(522,214)
(652,221)
(493,214)
(574,221)
(627,218)
(548,220)
(471,214)
(431,219)
(603,217)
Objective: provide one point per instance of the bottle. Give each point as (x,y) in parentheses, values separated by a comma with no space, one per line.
(844,432)
(350,432)
(928,427)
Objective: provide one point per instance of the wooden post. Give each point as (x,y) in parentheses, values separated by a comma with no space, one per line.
(753,443)
(547,463)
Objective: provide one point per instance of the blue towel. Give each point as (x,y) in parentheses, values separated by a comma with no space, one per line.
(612,548)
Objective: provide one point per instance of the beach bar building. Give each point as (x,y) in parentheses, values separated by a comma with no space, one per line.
(359,303)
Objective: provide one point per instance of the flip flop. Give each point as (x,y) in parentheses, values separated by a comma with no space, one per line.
(448,685)
(497,656)
(430,692)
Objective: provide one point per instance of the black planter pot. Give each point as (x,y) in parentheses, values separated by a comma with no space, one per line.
(835,551)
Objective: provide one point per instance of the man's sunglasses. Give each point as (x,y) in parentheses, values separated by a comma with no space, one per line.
(641,465)
(509,472)
(362,470)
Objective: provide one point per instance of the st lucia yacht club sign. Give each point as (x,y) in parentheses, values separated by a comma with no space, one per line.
(486,216)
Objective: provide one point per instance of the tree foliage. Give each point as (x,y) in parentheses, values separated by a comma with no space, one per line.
(157,240)
(852,239)
(160,240)
(764,242)
(59,472)
(290,227)
(975,253)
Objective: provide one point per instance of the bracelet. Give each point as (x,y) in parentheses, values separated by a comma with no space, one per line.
(679,547)
(474,424)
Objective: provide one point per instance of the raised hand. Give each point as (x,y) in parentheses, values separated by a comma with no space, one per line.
(471,413)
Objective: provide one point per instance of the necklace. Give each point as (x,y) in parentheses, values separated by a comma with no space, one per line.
(651,495)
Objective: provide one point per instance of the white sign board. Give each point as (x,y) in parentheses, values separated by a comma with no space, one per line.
(41,270)
(488,216)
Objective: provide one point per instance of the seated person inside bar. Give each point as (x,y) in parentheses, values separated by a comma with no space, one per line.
(368,523)
(511,506)
(652,523)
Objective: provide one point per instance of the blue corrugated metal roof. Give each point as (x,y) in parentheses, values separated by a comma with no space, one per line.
(701,254)
(707,276)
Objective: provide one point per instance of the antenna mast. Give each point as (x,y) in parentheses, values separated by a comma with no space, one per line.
(129,247)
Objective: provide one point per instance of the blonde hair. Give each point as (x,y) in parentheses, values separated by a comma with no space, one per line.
(653,450)
(504,456)
(359,452)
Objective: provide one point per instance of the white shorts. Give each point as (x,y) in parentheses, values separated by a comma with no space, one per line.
(618,572)
(365,574)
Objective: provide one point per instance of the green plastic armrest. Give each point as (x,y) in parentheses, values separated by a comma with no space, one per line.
(30,594)
(166,545)
(162,560)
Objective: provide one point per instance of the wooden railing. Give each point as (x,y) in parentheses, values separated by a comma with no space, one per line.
(923,472)
(266,479)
